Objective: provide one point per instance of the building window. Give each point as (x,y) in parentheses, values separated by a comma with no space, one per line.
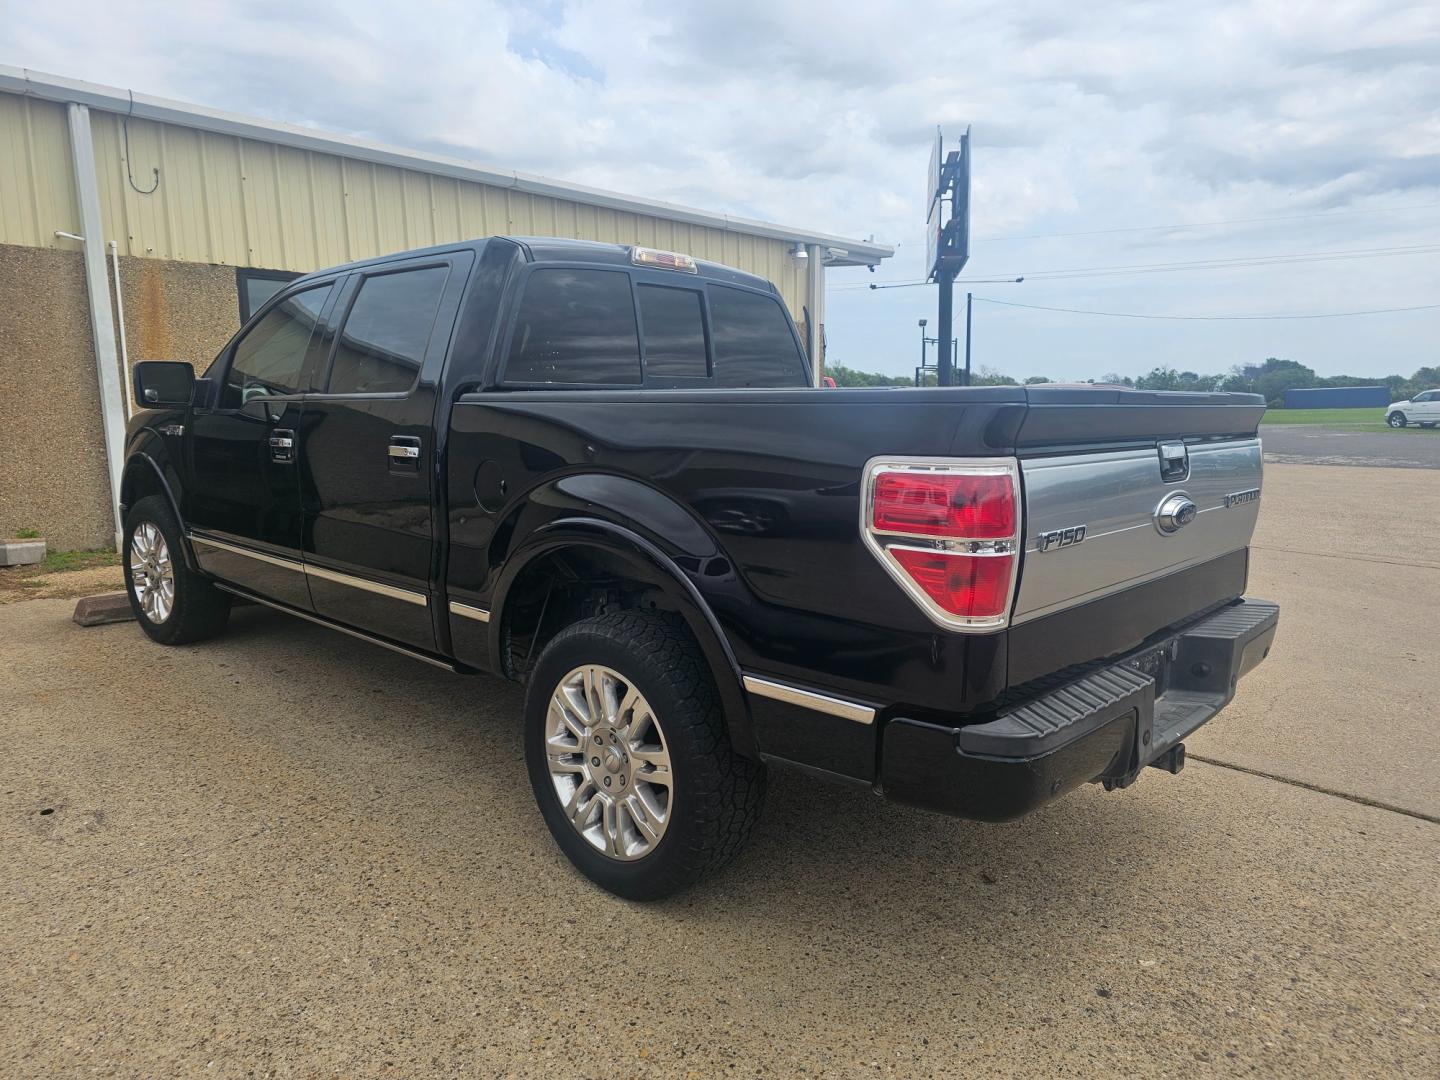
(257,286)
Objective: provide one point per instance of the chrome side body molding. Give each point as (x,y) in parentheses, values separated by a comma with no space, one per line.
(469,611)
(809,699)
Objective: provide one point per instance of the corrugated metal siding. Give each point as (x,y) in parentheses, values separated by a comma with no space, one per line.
(37,182)
(240,202)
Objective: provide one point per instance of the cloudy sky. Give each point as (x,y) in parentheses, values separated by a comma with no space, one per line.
(1304,129)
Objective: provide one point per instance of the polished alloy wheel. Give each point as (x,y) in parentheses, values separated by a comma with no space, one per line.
(151,572)
(1397,420)
(608,762)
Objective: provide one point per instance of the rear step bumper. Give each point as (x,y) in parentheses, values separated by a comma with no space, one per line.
(1106,727)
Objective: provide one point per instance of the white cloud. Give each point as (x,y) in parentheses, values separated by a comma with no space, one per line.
(1089,117)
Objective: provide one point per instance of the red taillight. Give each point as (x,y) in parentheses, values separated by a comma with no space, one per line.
(969,586)
(949,532)
(944,504)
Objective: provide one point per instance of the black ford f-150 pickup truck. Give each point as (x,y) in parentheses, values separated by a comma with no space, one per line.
(602,470)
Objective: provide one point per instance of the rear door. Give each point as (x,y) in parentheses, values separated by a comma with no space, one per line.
(367,449)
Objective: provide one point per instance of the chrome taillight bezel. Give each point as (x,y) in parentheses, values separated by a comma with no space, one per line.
(881,541)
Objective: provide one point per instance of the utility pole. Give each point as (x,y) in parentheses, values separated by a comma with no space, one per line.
(945,279)
(969,305)
(947,239)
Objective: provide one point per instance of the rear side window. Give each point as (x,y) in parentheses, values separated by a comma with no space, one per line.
(575,326)
(753,342)
(269,359)
(382,344)
(674,333)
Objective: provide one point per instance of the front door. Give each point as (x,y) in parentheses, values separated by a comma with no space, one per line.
(243,504)
(367,452)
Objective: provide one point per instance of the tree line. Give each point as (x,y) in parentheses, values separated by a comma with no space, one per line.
(1270,378)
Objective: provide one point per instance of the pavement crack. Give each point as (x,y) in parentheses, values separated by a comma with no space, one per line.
(1347,555)
(1419,815)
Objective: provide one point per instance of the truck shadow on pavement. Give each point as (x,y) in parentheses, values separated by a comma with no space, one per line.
(818,847)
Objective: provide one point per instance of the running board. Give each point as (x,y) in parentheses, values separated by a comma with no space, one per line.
(319,620)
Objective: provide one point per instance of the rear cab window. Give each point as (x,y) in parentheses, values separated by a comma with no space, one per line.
(754,345)
(575,326)
(595,327)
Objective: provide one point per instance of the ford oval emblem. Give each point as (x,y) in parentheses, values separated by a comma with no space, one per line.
(1175,513)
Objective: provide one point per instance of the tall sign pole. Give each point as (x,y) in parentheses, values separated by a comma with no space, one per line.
(947,236)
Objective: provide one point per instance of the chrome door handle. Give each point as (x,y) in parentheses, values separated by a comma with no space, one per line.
(282,445)
(404,455)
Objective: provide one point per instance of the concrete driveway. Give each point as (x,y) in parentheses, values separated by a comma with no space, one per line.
(288,854)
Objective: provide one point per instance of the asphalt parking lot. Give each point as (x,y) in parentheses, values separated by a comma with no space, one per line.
(1297,444)
(284,853)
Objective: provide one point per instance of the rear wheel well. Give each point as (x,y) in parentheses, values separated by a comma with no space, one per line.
(559,589)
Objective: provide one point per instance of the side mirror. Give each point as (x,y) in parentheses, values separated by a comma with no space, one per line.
(163,382)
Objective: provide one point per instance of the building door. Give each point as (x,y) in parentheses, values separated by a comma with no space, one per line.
(368,453)
(243,505)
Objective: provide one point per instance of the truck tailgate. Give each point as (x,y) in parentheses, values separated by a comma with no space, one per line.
(1116,498)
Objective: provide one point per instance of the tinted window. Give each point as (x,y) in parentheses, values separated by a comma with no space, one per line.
(753,343)
(674,333)
(382,344)
(269,358)
(575,326)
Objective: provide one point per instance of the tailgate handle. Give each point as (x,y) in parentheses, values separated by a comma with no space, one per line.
(1174,462)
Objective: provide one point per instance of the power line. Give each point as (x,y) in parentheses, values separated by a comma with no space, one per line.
(1237,263)
(1207,318)
(1205,224)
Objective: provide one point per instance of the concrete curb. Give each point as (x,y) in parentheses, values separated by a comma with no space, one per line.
(106,608)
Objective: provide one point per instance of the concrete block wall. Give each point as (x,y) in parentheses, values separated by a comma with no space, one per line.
(52,469)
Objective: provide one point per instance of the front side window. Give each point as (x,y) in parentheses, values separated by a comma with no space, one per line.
(270,358)
(753,342)
(383,342)
(575,326)
(674,333)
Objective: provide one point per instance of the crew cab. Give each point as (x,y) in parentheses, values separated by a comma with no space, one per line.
(603,471)
(1422,409)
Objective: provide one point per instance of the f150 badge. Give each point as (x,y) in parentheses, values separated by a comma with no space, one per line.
(1058,538)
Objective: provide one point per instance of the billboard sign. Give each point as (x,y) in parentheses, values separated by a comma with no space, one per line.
(947,240)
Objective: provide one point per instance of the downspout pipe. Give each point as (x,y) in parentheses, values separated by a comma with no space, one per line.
(102,319)
(815,302)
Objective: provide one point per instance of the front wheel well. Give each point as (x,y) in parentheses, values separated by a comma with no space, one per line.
(140,481)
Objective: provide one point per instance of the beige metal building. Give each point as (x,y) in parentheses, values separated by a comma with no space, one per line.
(133,227)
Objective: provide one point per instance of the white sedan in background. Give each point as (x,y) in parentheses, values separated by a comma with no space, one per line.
(1422,409)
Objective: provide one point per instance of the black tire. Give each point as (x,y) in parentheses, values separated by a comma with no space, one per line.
(1396,420)
(200,610)
(717,794)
